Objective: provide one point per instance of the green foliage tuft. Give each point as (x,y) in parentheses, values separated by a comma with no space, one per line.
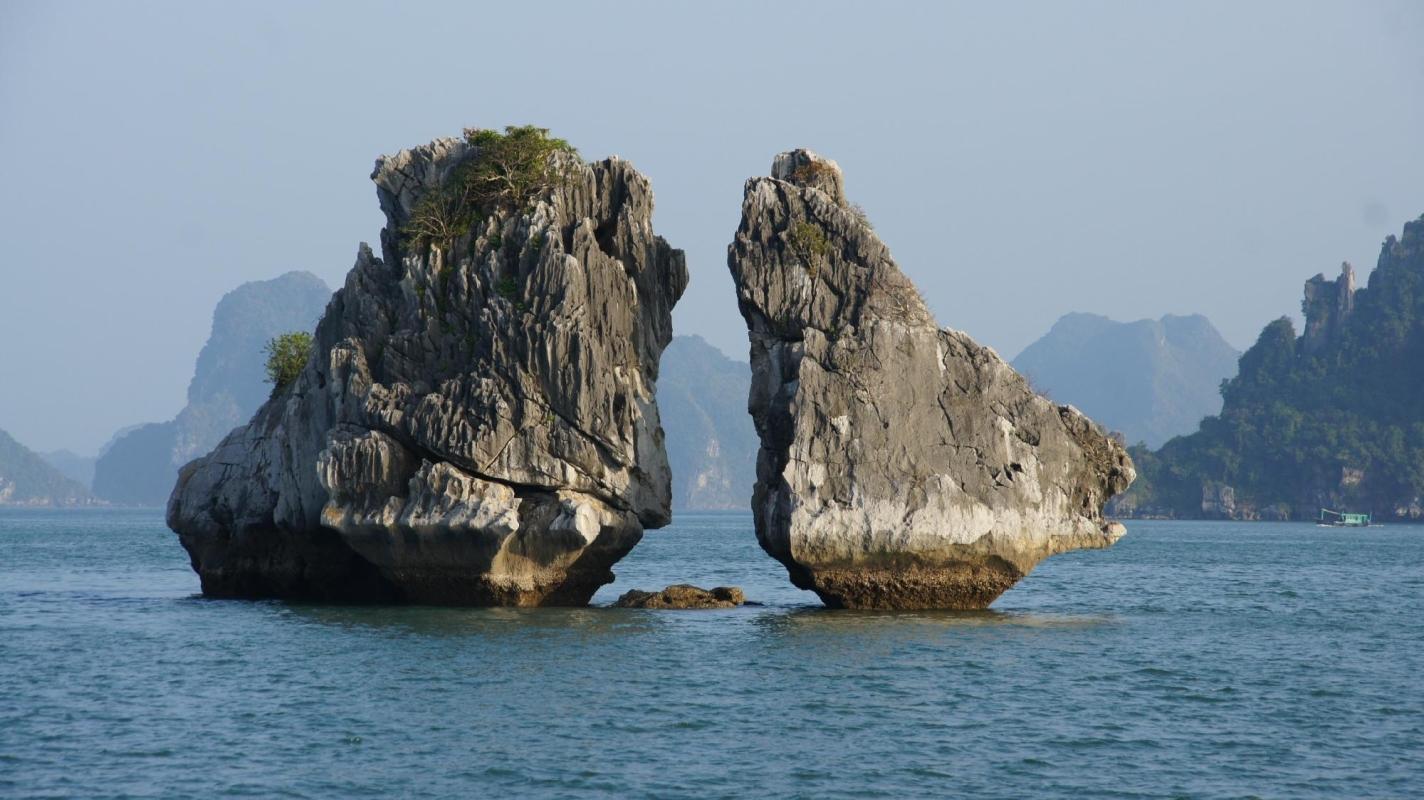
(507,172)
(808,243)
(286,355)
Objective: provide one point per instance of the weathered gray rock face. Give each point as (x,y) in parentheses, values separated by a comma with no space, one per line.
(901,465)
(1327,305)
(477,422)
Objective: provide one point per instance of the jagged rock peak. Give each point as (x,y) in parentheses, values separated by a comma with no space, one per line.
(477,423)
(805,168)
(1326,306)
(901,465)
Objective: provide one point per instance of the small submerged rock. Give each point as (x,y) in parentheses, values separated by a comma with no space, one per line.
(683,595)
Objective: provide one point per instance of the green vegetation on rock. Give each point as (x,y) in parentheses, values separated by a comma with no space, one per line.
(808,244)
(506,172)
(286,355)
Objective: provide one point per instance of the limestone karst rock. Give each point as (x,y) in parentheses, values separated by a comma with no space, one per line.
(1327,419)
(901,465)
(1327,306)
(477,422)
(26,479)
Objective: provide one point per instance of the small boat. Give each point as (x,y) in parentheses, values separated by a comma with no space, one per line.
(1337,519)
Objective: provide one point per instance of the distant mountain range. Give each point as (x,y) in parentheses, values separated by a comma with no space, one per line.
(1150,380)
(1331,418)
(711,442)
(27,480)
(228,386)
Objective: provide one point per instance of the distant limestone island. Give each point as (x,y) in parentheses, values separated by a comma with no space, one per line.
(1149,380)
(140,465)
(26,479)
(711,442)
(1331,418)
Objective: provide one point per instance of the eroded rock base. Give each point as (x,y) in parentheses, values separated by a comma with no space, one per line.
(960,586)
(319,566)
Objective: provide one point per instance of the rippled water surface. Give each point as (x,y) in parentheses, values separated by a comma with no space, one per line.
(1191,660)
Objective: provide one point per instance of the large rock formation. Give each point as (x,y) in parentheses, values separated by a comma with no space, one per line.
(477,422)
(1149,380)
(901,465)
(139,465)
(711,443)
(1331,418)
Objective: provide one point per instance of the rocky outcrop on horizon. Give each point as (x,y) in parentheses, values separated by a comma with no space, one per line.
(477,423)
(1331,418)
(26,479)
(711,443)
(1150,380)
(901,465)
(229,384)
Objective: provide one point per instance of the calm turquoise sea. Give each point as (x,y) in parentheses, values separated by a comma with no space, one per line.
(1191,660)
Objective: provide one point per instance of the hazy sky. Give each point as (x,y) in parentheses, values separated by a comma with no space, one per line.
(1021,160)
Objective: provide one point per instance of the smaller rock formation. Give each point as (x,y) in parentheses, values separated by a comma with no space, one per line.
(683,595)
(901,465)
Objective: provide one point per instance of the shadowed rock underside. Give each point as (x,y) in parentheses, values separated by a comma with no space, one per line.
(477,422)
(901,465)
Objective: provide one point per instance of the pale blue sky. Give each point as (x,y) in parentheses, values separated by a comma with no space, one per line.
(1022,160)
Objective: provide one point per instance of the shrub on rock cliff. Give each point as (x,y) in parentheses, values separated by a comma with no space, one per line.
(286,355)
(507,171)
(808,244)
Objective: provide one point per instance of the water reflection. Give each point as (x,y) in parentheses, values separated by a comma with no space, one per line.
(824,620)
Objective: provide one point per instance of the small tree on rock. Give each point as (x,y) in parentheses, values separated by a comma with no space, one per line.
(286,355)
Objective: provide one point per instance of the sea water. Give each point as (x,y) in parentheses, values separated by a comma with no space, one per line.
(1190,660)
